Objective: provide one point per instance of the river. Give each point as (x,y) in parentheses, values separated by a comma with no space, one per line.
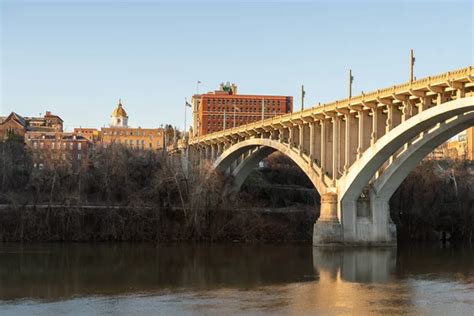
(231,279)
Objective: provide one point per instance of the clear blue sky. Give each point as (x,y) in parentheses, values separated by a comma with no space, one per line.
(76,58)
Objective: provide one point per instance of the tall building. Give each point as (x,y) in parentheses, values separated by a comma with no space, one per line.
(224,108)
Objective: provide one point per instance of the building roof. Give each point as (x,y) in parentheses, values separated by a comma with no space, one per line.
(15,117)
(119,111)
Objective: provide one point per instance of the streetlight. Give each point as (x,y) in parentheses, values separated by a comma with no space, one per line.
(351,80)
(412,64)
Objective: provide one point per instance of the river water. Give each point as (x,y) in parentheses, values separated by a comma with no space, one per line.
(227,279)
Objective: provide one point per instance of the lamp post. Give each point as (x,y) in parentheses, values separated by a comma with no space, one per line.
(351,80)
(302,97)
(412,64)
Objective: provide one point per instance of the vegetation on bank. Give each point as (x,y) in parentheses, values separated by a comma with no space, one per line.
(146,195)
(143,195)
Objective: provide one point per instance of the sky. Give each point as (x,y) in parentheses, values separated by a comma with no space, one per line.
(77,58)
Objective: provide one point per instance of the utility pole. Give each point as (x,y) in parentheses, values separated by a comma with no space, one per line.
(302,97)
(412,64)
(351,80)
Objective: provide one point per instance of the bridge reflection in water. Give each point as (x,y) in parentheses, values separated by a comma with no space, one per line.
(229,278)
(355,265)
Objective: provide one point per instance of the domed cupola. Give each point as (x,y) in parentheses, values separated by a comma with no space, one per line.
(119,117)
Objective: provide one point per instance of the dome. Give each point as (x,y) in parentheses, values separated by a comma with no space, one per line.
(119,111)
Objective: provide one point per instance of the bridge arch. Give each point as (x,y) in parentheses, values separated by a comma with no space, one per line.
(264,147)
(386,185)
(362,171)
(433,126)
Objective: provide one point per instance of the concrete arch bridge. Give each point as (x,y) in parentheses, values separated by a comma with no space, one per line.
(355,151)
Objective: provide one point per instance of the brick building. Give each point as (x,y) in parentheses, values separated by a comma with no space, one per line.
(470,143)
(15,124)
(224,108)
(51,149)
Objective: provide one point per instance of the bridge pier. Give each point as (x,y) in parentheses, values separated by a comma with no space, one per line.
(364,222)
(327,231)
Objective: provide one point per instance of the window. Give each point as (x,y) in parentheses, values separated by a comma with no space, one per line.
(71,146)
(79,145)
(79,156)
(41,145)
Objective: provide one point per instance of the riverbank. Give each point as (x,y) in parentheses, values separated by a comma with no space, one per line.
(102,223)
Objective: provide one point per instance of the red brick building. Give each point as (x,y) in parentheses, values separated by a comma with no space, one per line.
(224,108)
(51,149)
(15,124)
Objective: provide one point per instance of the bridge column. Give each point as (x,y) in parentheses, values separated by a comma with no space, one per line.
(301,138)
(327,230)
(335,148)
(351,141)
(383,230)
(311,143)
(290,136)
(323,147)
(365,129)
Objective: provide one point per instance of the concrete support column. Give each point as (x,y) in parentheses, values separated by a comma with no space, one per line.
(327,230)
(350,149)
(335,148)
(208,152)
(426,103)
(311,142)
(301,138)
(383,230)
(461,92)
(407,110)
(365,129)
(213,152)
(290,136)
(323,146)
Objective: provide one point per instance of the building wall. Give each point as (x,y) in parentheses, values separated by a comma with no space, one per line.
(92,134)
(470,143)
(237,110)
(11,127)
(56,148)
(138,138)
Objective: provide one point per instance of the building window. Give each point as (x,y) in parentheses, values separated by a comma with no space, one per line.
(79,156)
(79,145)
(41,145)
(71,146)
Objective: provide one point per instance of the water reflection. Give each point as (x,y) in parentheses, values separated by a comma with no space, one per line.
(355,265)
(54,271)
(229,278)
